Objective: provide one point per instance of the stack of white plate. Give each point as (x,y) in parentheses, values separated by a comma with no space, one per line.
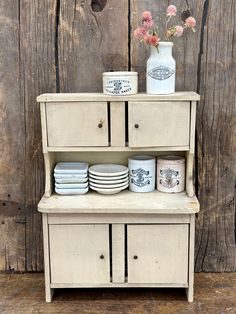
(71,178)
(108,178)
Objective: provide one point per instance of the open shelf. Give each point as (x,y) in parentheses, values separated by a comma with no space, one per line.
(69,97)
(117,149)
(126,202)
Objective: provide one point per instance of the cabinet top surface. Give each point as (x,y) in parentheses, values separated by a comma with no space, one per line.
(125,202)
(64,97)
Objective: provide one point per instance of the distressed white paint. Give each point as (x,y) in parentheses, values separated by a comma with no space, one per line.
(160,226)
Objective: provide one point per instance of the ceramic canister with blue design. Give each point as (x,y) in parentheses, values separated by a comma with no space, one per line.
(142,174)
(171,174)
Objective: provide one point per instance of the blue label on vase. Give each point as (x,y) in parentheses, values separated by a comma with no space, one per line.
(161,73)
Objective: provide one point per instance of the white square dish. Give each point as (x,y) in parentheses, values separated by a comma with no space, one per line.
(71,167)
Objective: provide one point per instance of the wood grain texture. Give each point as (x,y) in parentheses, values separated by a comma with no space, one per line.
(216,141)
(37,67)
(91,43)
(41,48)
(214,293)
(207,65)
(12,139)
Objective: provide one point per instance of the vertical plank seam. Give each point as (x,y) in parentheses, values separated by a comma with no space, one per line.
(235,214)
(22,98)
(203,24)
(57,23)
(199,66)
(129,35)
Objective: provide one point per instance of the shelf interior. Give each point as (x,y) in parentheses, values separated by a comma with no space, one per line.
(125,202)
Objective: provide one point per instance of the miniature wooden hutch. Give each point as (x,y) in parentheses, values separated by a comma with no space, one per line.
(128,239)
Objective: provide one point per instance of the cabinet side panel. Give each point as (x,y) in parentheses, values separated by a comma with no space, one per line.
(43,126)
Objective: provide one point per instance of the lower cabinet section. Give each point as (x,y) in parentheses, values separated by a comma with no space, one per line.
(145,254)
(79,254)
(157,254)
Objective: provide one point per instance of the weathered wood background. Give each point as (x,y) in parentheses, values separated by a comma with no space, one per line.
(64,46)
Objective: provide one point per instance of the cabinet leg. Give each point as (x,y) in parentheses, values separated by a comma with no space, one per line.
(189,293)
(189,290)
(48,294)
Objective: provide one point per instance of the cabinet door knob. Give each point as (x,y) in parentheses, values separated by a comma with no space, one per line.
(102,256)
(100,125)
(136,126)
(135,257)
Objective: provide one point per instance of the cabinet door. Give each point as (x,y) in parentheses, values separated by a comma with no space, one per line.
(79,254)
(77,124)
(158,254)
(159,124)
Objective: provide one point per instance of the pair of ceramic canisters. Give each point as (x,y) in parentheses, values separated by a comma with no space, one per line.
(167,173)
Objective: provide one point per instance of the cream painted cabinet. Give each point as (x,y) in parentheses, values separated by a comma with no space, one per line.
(77,124)
(158,253)
(79,254)
(127,239)
(149,121)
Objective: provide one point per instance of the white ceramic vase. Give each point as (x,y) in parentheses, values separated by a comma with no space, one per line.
(161,67)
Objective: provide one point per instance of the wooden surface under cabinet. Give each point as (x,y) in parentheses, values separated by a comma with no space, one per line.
(126,202)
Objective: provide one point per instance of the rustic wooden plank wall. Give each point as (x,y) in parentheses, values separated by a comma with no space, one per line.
(64,46)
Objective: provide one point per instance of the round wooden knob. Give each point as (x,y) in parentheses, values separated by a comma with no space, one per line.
(136,126)
(100,125)
(135,257)
(102,256)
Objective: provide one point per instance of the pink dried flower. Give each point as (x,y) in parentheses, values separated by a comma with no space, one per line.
(178,31)
(148,23)
(140,32)
(171,10)
(147,15)
(153,40)
(190,22)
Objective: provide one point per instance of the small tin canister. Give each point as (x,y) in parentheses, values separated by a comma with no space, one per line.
(142,174)
(120,83)
(171,174)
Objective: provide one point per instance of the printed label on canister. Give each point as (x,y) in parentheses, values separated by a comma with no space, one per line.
(140,177)
(118,87)
(169,178)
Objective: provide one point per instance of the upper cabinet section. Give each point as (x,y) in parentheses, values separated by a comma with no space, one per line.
(77,124)
(97,122)
(153,124)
